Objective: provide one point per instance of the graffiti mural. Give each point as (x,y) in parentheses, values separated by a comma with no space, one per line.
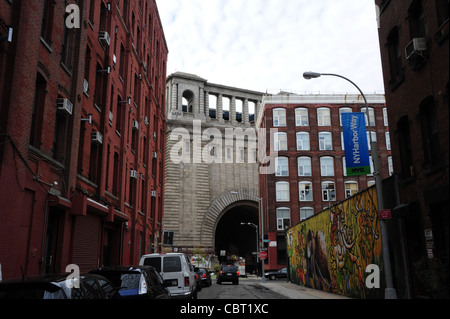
(331,250)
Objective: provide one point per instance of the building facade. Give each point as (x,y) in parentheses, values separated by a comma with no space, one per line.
(82,130)
(310,173)
(414,42)
(211,170)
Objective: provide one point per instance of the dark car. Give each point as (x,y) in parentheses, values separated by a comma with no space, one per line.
(134,282)
(273,275)
(228,273)
(88,286)
(205,277)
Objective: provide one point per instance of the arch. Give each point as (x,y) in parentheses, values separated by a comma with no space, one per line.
(188,97)
(222,204)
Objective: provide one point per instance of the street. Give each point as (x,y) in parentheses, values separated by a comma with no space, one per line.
(247,289)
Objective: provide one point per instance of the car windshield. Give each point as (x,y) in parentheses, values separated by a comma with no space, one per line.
(171,264)
(38,291)
(127,283)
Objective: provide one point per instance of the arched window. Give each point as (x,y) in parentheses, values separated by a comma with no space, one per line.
(279,117)
(188,101)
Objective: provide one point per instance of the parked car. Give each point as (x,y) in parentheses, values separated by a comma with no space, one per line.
(90,286)
(228,273)
(273,275)
(135,281)
(205,277)
(177,272)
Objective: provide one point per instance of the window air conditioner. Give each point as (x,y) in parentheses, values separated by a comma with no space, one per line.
(133,174)
(104,38)
(97,138)
(155,155)
(85,86)
(135,125)
(146,120)
(416,47)
(65,106)
(153,193)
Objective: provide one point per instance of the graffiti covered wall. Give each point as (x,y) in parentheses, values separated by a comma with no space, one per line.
(331,250)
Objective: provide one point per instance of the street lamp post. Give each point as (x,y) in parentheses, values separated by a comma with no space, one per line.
(263,278)
(390,292)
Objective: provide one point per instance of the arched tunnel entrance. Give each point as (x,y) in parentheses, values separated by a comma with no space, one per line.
(232,239)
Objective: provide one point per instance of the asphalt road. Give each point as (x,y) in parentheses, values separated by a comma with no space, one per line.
(247,289)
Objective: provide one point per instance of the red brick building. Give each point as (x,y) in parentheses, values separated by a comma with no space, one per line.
(310,170)
(414,42)
(82,133)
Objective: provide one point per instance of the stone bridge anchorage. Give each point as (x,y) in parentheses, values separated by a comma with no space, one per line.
(211,184)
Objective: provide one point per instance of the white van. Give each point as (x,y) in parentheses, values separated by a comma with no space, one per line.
(177,268)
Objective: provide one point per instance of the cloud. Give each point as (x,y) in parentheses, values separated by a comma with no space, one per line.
(267,44)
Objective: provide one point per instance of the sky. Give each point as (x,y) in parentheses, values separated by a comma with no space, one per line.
(266,45)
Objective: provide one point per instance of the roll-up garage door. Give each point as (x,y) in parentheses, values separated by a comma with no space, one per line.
(87,242)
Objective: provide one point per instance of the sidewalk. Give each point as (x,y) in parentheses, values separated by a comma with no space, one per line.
(293,291)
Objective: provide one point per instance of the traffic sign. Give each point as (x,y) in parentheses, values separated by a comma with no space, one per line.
(263,255)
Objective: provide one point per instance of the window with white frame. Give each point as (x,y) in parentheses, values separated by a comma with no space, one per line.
(325,141)
(279,117)
(282,166)
(283,218)
(328,192)
(301,117)
(370,183)
(374,138)
(371,166)
(323,116)
(342,141)
(304,166)
(282,191)
(371,114)
(391,166)
(280,141)
(306,212)
(303,141)
(385,117)
(388,141)
(344,166)
(305,191)
(343,110)
(327,166)
(351,188)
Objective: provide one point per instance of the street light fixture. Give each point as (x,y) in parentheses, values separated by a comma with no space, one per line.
(390,292)
(263,278)
(257,242)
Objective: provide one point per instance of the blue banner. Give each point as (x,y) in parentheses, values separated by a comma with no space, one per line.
(355,142)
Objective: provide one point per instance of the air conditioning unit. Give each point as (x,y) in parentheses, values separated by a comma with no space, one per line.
(135,125)
(85,86)
(155,155)
(65,106)
(153,193)
(416,47)
(133,174)
(146,120)
(104,38)
(154,135)
(97,137)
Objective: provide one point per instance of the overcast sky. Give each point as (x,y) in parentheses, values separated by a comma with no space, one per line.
(266,45)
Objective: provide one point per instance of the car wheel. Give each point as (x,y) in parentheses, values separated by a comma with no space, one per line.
(273,277)
(194,295)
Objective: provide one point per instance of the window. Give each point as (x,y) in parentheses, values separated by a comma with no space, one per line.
(282,190)
(304,166)
(442,11)
(38,111)
(343,110)
(371,115)
(344,166)
(303,141)
(279,117)
(280,141)
(371,166)
(305,191)
(327,166)
(351,188)
(342,141)
(67,52)
(323,116)
(395,59)
(325,142)
(283,218)
(282,166)
(301,117)
(390,166)
(416,18)
(328,191)
(374,139)
(385,117)
(405,147)
(388,141)
(47,21)
(306,212)
(58,149)
(430,132)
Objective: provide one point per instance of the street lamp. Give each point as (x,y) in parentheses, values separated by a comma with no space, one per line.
(263,279)
(390,292)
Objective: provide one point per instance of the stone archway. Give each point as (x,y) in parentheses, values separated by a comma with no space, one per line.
(220,206)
